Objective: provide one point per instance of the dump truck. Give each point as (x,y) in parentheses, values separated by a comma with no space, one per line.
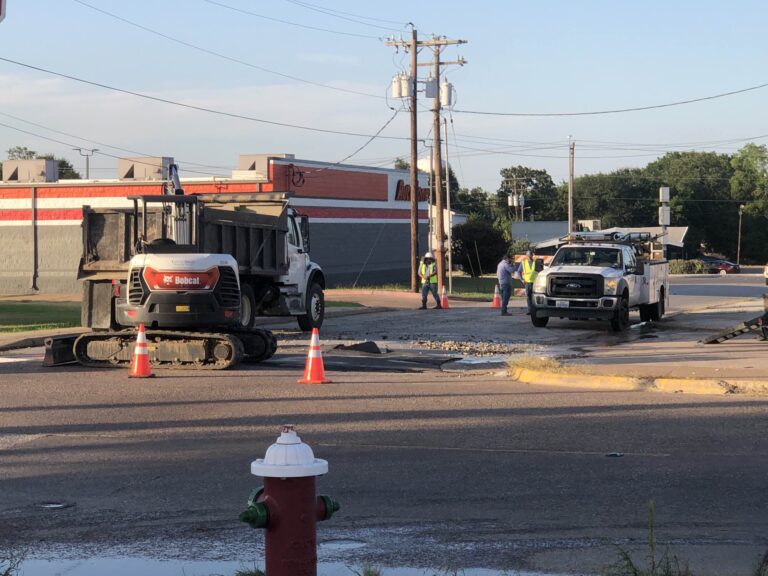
(596,275)
(196,271)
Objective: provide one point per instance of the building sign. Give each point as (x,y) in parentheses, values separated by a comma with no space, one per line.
(403,192)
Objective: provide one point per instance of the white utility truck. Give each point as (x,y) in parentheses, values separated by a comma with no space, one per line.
(596,275)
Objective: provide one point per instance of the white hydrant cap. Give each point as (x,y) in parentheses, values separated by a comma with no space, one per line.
(289,457)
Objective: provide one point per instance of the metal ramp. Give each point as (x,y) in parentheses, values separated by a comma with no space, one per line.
(759,324)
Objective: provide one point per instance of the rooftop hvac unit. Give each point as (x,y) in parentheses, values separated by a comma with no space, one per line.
(39,170)
(147,168)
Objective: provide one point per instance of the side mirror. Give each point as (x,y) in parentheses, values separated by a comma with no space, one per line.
(640,269)
(304,229)
(629,269)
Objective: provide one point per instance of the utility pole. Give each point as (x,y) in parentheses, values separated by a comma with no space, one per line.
(738,246)
(413,45)
(87,153)
(413,79)
(437,43)
(414,165)
(448,207)
(571,152)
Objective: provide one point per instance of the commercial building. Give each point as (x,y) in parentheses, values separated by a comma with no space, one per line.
(360,216)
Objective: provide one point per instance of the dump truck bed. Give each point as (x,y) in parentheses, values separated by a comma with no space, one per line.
(250,227)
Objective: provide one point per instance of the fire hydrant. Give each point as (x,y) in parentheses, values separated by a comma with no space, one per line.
(287,506)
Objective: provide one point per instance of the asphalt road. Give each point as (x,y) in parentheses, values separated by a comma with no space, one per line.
(728,286)
(433,469)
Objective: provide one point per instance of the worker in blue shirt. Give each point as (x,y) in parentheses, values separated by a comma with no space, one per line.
(504,272)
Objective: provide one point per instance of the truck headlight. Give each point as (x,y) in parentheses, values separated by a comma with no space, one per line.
(611,284)
(540,284)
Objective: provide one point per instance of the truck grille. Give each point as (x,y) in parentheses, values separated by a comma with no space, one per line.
(227,290)
(135,287)
(576,285)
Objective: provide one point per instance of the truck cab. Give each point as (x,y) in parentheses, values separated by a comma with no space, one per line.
(594,276)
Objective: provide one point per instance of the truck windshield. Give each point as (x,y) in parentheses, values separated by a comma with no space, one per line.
(587,256)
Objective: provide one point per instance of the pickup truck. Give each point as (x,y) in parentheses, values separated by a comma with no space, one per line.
(594,276)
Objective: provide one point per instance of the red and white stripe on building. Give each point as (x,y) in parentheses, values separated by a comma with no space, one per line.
(327,193)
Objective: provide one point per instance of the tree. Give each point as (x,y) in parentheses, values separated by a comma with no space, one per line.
(477,247)
(21,153)
(620,198)
(475,203)
(402,164)
(701,198)
(541,194)
(749,186)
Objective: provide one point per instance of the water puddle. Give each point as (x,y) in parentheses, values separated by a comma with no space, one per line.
(151,567)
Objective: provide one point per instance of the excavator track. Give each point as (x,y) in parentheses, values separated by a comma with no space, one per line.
(167,349)
(259,344)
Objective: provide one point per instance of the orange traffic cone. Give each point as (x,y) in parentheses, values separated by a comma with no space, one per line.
(444,299)
(140,359)
(496,303)
(314,372)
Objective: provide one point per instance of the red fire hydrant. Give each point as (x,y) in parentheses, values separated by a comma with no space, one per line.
(287,506)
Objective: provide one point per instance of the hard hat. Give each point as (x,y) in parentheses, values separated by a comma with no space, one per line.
(429,255)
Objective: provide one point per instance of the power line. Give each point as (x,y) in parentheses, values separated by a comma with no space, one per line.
(617,110)
(71,145)
(361,148)
(224,56)
(288,22)
(193,107)
(17,118)
(345,15)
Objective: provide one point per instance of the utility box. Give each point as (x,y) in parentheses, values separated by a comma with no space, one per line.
(39,170)
(144,168)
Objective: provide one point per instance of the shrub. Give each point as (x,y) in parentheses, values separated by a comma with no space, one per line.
(687,267)
(478,247)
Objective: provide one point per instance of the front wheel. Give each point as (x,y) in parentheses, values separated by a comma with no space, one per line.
(620,320)
(538,322)
(315,309)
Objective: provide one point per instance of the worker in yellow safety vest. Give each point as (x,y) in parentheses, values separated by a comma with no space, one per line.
(528,273)
(428,275)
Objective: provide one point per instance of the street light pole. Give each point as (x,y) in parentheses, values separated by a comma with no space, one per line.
(738,245)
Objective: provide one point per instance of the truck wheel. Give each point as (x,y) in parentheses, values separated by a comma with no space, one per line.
(657,310)
(247,306)
(620,320)
(315,309)
(539,322)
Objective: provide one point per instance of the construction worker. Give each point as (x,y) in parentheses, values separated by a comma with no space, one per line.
(504,272)
(428,275)
(528,273)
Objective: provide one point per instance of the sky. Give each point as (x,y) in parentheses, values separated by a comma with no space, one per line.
(323,65)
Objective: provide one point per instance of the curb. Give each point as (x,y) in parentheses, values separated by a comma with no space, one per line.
(633,383)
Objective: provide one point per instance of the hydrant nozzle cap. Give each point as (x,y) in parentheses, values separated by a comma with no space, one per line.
(289,457)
